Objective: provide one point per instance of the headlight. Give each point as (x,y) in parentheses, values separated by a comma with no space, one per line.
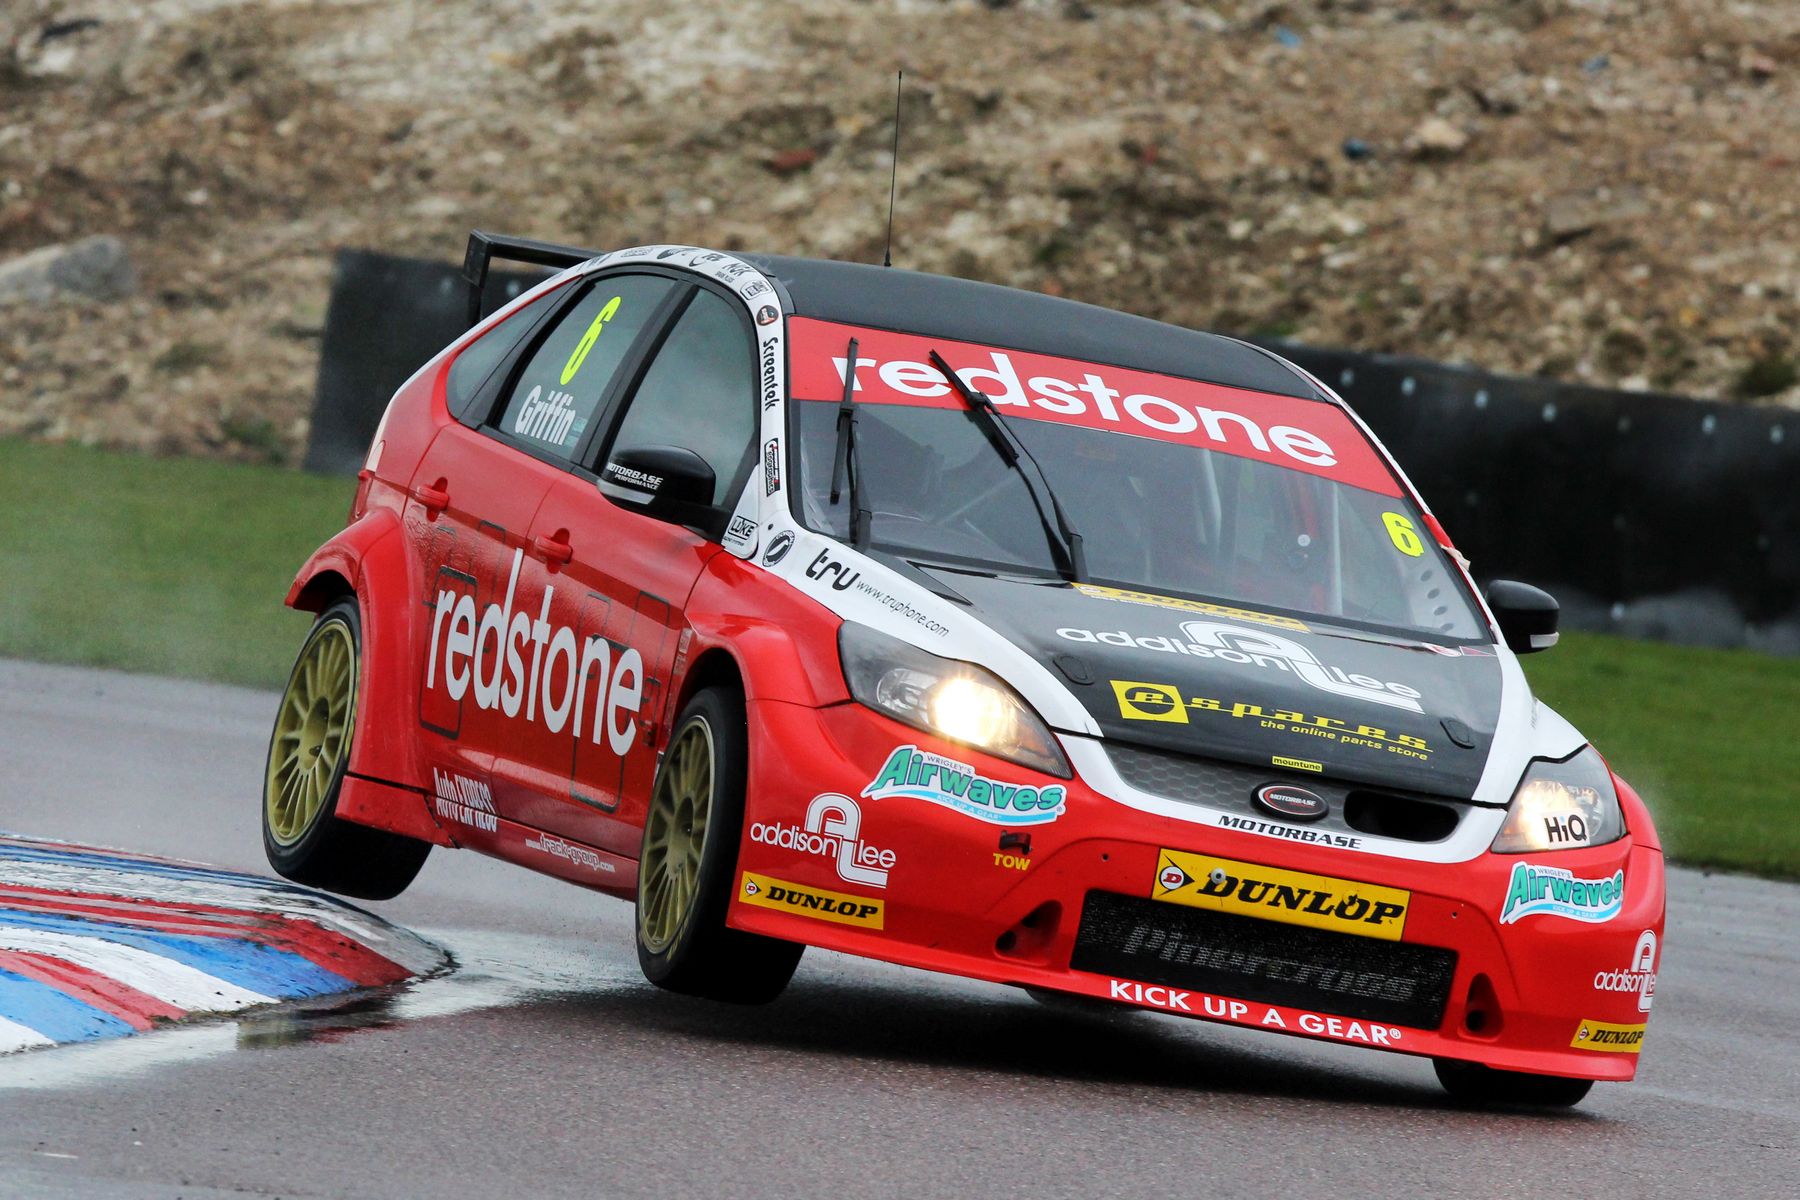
(1562,806)
(955,700)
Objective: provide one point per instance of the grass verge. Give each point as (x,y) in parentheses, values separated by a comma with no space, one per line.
(169,566)
(1706,737)
(178,567)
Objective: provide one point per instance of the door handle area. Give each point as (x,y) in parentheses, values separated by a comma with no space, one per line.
(432,496)
(555,549)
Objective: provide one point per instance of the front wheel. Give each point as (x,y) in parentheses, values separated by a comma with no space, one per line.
(689,858)
(309,751)
(1477,1084)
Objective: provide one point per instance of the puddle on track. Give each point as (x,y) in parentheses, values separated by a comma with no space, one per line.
(491,970)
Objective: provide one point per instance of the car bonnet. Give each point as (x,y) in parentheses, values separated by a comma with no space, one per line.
(1259,688)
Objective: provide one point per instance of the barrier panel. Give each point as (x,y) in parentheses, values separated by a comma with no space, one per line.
(1646,515)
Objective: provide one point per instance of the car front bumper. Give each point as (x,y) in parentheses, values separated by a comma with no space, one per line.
(1068,900)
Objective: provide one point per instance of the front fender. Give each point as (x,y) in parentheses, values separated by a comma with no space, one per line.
(784,644)
(369,557)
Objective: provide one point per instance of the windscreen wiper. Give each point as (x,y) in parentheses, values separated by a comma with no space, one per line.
(844,462)
(1063,539)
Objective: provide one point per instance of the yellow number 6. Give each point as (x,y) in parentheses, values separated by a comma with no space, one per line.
(1406,538)
(580,353)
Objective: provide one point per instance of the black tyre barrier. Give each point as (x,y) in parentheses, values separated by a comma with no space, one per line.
(1650,516)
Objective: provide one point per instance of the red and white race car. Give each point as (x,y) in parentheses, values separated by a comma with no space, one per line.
(812,603)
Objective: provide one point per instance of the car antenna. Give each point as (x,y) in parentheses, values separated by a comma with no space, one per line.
(887,251)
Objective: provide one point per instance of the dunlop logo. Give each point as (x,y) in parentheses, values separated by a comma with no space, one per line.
(1293,897)
(1615,1039)
(866,912)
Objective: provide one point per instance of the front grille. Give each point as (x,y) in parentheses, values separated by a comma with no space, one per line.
(1231,786)
(1224,954)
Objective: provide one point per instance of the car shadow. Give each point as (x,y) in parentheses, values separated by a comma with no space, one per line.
(1008,1032)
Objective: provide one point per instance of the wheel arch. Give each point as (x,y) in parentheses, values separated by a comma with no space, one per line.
(715,667)
(324,588)
(368,560)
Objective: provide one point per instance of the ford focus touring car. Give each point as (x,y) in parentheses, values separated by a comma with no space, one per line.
(808,603)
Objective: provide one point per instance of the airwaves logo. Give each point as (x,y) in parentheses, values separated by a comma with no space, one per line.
(921,775)
(1553,892)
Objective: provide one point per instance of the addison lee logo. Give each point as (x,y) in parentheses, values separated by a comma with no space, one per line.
(1639,979)
(1266,651)
(833,830)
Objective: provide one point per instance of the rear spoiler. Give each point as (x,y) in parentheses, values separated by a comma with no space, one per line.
(485,247)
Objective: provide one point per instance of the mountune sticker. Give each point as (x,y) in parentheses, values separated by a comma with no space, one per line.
(1293,897)
(1535,891)
(921,775)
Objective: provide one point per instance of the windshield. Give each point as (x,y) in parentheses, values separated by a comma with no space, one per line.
(1249,504)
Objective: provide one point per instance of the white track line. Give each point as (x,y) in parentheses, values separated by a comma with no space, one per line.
(413,953)
(169,981)
(18,1037)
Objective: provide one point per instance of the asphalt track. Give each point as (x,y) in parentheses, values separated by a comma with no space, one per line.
(545,1066)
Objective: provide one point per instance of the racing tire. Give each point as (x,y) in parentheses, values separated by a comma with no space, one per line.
(1474,1083)
(688,862)
(309,749)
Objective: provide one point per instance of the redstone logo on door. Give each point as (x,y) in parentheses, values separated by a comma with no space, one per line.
(484,655)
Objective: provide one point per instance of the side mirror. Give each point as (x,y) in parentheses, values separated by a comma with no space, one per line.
(1527,615)
(670,483)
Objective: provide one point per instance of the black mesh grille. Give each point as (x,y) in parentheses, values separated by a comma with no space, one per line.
(1193,780)
(1231,787)
(1251,959)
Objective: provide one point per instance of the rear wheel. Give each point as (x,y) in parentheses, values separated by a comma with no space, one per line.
(309,750)
(1477,1084)
(689,858)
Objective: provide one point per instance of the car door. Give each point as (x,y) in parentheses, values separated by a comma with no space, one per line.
(629,574)
(525,396)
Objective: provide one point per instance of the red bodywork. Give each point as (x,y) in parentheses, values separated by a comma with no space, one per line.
(444,512)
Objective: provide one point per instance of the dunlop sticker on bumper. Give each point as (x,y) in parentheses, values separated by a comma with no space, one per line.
(1617,1039)
(1252,890)
(865,912)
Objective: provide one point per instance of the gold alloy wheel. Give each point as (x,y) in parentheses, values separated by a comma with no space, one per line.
(674,837)
(312,731)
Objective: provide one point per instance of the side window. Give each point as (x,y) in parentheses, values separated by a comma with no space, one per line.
(479,359)
(561,385)
(700,393)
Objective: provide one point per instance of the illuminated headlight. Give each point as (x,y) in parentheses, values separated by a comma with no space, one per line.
(1562,806)
(956,700)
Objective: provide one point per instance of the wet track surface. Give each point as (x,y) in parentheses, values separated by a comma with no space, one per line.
(545,1066)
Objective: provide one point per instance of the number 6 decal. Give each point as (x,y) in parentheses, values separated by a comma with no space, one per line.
(580,353)
(1405,537)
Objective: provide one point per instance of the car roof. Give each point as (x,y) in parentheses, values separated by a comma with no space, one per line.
(986,313)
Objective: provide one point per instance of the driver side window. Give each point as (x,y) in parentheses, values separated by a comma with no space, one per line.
(700,394)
